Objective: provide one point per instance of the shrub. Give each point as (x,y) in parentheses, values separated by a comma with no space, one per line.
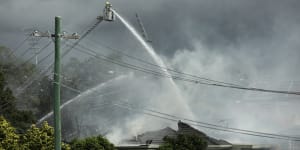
(92,143)
(8,138)
(34,138)
(40,138)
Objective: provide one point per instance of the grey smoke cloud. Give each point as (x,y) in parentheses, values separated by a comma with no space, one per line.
(240,41)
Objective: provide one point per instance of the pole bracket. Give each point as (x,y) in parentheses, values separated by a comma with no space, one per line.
(64,35)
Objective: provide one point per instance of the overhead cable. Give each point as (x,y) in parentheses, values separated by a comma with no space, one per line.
(161,74)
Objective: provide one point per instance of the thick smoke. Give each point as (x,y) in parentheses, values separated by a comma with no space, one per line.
(252,43)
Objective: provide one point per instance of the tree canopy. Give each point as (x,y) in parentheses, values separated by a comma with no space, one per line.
(183,142)
(20,119)
(34,138)
(95,143)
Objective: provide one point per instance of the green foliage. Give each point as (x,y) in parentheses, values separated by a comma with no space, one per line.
(40,138)
(8,137)
(19,119)
(7,100)
(184,142)
(92,143)
(13,73)
(34,138)
(11,66)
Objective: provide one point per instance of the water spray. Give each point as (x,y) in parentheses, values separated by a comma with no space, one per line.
(82,95)
(158,61)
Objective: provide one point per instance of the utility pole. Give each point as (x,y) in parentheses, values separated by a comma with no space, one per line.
(57,37)
(108,15)
(57,115)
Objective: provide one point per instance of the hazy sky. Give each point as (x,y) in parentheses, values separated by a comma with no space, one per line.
(252,41)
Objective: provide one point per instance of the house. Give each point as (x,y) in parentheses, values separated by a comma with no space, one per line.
(152,140)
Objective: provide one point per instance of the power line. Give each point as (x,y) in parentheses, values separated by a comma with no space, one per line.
(30,81)
(201,124)
(84,34)
(121,52)
(70,88)
(231,85)
(18,46)
(232,130)
(27,50)
(3,108)
(56,86)
(45,57)
(40,50)
(166,116)
(213,125)
(37,75)
(33,45)
(68,102)
(82,37)
(160,74)
(124,64)
(62,84)
(48,56)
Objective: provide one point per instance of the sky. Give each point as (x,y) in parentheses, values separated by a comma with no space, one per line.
(253,43)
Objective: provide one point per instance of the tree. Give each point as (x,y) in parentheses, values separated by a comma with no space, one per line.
(19,119)
(8,137)
(94,143)
(7,100)
(40,138)
(16,71)
(34,138)
(45,97)
(183,142)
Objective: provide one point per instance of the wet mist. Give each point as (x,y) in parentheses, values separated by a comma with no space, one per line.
(250,43)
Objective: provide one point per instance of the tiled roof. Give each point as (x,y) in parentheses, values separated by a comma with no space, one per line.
(156,137)
(184,128)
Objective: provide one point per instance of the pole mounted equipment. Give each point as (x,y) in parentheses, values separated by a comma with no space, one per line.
(63,35)
(108,15)
(37,76)
(57,38)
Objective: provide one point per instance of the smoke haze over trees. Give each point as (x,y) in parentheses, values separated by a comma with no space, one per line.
(252,43)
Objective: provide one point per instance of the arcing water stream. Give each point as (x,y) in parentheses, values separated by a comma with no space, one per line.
(83,94)
(183,105)
(157,60)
